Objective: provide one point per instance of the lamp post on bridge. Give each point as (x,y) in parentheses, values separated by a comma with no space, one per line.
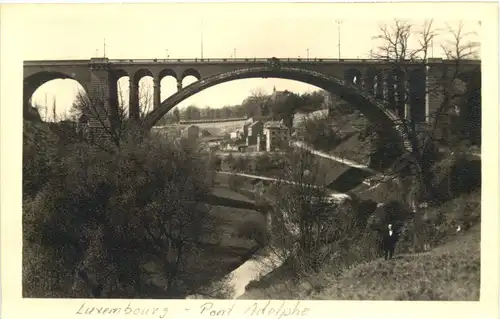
(201,40)
(307,54)
(104,48)
(339,22)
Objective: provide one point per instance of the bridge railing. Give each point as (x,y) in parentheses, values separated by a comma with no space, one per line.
(243,60)
(223,60)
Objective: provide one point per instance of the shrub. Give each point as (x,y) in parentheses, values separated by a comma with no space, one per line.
(100,216)
(320,133)
(235,182)
(252,230)
(215,162)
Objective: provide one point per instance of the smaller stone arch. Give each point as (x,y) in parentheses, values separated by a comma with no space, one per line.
(166,72)
(191,72)
(372,80)
(353,76)
(119,73)
(139,74)
(32,82)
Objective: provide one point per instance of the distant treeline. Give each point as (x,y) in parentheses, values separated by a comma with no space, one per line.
(278,106)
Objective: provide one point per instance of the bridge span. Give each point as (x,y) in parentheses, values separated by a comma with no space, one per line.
(372,86)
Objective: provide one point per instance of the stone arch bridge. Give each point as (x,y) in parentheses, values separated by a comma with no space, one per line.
(370,85)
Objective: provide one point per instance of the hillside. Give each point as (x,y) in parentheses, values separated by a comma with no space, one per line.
(450,270)
(447,272)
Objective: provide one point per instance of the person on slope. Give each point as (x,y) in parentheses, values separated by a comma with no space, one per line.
(389,239)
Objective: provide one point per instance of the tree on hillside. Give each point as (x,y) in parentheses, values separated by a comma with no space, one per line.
(114,124)
(191,113)
(116,220)
(311,102)
(257,103)
(284,108)
(307,230)
(321,132)
(177,114)
(395,46)
(399,44)
(105,224)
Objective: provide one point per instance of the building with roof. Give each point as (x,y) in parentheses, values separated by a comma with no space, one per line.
(254,130)
(276,135)
(277,96)
(191,132)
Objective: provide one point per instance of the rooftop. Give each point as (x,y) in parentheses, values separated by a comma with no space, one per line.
(254,123)
(275,125)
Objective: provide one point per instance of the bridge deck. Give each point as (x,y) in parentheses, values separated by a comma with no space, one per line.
(227,60)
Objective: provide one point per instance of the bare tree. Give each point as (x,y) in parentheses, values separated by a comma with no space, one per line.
(98,124)
(146,103)
(406,47)
(112,124)
(403,45)
(258,103)
(307,227)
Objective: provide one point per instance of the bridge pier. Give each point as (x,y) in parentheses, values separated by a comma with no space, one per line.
(114,102)
(400,93)
(385,86)
(133,111)
(179,85)
(100,80)
(156,93)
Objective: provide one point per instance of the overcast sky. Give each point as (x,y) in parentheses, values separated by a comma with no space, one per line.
(254,30)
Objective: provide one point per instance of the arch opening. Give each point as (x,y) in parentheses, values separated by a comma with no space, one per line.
(123,94)
(373,110)
(191,72)
(353,77)
(53,95)
(168,83)
(188,80)
(371,81)
(146,87)
(139,74)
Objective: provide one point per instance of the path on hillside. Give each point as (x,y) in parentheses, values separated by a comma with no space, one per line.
(380,176)
(272,179)
(341,160)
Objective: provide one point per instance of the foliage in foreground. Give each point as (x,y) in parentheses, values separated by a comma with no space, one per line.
(114,224)
(450,271)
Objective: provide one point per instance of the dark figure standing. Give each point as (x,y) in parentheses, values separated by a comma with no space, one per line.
(389,239)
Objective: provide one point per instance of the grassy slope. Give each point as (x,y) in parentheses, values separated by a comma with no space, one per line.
(447,272)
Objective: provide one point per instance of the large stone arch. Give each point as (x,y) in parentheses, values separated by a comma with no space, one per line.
(34,81)
(376,111)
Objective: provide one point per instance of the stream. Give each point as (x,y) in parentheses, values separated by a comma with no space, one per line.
(263,261)
(254,268)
